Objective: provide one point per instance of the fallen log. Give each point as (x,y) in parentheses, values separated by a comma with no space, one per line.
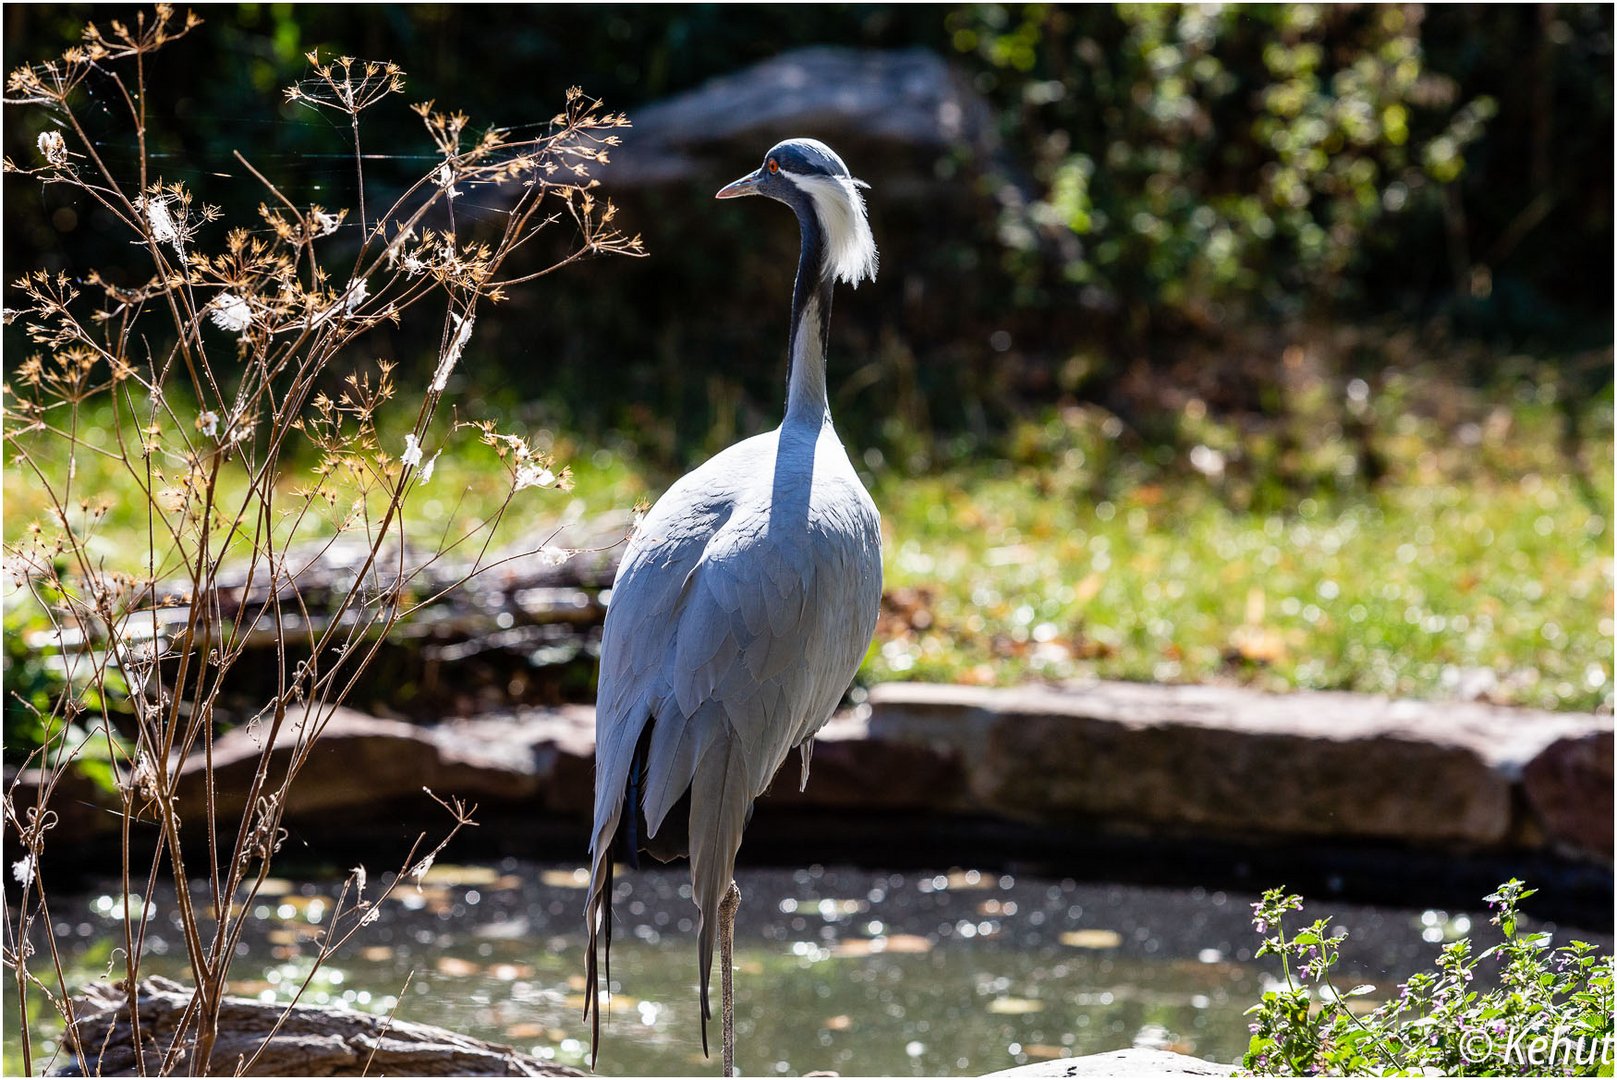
(473,595)
(312,1040)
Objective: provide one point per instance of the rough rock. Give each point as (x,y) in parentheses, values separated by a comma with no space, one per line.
(851,770)
(81,809)
(357,760)
(1233,762)
(896,101)
(1121,759)
(1569,788)
(304,1040)
(556,745)
(1133,1062)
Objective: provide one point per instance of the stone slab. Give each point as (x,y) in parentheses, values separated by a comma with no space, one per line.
(1218,763)
(1233,762)
(1569,790)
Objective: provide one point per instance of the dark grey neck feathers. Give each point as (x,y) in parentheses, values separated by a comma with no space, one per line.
(811,321)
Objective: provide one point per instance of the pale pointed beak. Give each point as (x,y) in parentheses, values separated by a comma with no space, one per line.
(747,185)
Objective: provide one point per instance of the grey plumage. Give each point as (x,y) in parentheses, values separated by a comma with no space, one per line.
(746,600)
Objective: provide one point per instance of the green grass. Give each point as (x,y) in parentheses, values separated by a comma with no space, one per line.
(1393,593)
(1481,558)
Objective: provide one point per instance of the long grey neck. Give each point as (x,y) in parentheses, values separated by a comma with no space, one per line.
(806,401)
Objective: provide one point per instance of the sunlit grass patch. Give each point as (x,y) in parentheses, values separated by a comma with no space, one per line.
(1477,567)
(466,486)
(1472,570)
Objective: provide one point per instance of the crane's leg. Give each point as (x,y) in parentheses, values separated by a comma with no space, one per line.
(727,1006)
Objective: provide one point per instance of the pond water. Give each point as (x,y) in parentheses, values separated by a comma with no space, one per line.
(935,973)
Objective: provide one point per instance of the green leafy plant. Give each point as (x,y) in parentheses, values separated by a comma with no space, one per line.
(1191,160)
(1549,1014)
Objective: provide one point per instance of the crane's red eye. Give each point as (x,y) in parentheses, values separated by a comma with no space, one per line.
(774,166)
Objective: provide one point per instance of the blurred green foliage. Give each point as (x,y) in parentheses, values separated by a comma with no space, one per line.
(50,717)
(1168,174)
(1214,156)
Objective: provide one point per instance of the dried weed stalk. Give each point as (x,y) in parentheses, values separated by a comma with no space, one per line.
(213,369)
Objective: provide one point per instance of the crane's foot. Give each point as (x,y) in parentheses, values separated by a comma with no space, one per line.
(727,928)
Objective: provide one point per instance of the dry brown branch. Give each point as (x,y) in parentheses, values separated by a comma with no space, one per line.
(229,365)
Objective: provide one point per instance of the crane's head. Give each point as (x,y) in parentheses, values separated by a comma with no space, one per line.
(808,176)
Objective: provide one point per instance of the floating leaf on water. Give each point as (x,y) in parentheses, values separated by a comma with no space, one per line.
(292,907)
(1092,939)
(1045,1050)
(376,954)
(526,1030)
(833,909)
(274,886)
(972,879)
(565,879)
(447,874)
(619,1001)
(907,943)
(455,967)
(508,972)
(892,943)
(1014,1006)
(837,1023)
(505,929)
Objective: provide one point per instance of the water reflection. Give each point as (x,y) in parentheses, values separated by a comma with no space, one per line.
(957,972)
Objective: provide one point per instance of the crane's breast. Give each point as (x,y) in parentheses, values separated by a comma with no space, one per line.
(744,608)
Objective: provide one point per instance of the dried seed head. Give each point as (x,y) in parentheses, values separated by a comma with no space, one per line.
(322,223)
(23,870)
(533,476)
(231,313)
(451,357)
(355,296)
(555,556)
(53,147)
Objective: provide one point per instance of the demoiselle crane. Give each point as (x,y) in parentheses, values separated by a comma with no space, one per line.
(741,610)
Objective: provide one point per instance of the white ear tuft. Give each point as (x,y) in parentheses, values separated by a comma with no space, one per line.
(850,250)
